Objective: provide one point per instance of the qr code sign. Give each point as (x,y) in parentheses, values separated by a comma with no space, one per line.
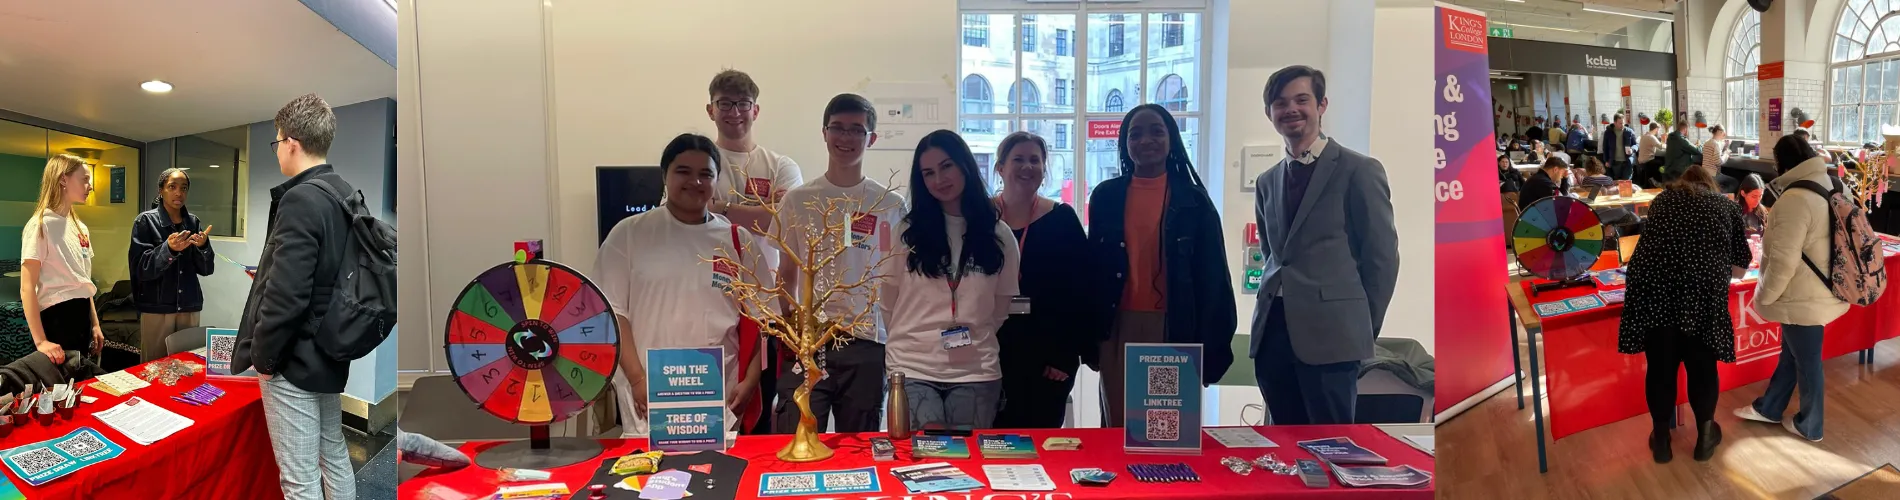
(802,482)
(37,461)
(81,445)
(1164,425)
(221,348)
(847,480)
(1164,380)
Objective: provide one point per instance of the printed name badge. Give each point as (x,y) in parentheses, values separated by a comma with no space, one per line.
(956,337)
(758,186)
(863,225)
(1019,305)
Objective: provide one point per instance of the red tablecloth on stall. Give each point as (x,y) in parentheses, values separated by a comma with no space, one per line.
(1101,448)
(1591,384)
(226,453)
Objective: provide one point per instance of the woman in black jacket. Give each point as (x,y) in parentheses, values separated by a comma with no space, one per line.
(170,249)
(1042,344)
(1160,267)
(1676,311)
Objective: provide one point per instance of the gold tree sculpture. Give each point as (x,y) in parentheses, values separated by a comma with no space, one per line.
(796,316)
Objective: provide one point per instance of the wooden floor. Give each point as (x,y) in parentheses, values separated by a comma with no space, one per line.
(1490,452)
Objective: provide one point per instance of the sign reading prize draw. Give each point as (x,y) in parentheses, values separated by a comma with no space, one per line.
(1162,410)
(686,399)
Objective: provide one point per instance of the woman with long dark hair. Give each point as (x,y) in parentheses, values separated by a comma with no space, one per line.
(170,249)
(947,290)
(1160,267)
(1676,312)
(1042,343)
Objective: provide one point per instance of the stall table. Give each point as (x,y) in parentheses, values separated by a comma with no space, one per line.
(1101,448)
(225,453)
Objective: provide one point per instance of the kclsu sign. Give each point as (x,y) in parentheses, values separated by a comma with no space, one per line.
(1599,62)
(1756,339)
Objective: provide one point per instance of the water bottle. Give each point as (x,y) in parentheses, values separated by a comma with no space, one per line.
(897,418)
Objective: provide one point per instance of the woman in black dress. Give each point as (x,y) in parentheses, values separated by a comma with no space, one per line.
(1042,342)
(1676,311)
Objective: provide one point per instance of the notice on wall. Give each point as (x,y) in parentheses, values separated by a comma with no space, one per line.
(907,111)
(1469,231)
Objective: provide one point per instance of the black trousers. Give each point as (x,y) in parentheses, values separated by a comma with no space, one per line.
(1298,393)
(1030,399)
(853,394)
(69,324)
(1649,174)
(1667,349)
(768,384)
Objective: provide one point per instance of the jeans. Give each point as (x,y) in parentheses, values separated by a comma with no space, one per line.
(306,429)
(1799,366)
(1667,349)
(966,406)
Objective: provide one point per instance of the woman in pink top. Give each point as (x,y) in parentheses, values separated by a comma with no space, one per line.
(56,286)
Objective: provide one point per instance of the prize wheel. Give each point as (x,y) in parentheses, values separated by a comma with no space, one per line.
(532,343)
(1557,238)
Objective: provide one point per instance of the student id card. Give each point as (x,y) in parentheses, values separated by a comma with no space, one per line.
(955,337)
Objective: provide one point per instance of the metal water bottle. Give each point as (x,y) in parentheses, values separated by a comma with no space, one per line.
(897,417)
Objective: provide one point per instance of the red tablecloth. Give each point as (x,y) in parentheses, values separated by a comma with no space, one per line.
(226,453)
(1100,448)
(1591,384)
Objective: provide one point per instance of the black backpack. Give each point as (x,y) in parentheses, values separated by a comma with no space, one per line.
(363,302)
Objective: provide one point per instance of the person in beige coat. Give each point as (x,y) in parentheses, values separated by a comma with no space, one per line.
(1791,293)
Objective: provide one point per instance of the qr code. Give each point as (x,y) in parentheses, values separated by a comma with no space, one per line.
(221,348)
(1164,380)
(37,461)
(81,445)
(1164,425)
(847,480)
(802,482)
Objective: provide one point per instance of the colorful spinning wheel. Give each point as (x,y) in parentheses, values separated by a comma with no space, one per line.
(533,342)
(1557,238)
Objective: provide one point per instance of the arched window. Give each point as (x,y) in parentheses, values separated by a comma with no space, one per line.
(1114,102)
(1743,91)
(1864,74)
(977,101)
(1172,93)
(1030,98)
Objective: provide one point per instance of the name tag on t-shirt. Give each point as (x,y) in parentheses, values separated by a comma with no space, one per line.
(758,186)
(956,337)
(724,271)
(863,228)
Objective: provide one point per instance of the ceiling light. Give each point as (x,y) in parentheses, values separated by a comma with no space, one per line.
(156,87)
(214,166)
(1642,14)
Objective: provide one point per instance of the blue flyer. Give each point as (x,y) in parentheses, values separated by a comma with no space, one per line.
(45,461)
(1163,404)
(686,399)
(220,343)
(826,482)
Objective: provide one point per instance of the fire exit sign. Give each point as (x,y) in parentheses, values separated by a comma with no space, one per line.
(1501,32)
(1511,86)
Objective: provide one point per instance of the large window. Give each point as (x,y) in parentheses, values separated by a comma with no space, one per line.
(976,31)
(1864,74)
(1121,55)
(1743,92)
(1029,33)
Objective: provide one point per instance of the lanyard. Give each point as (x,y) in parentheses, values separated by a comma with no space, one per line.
(1022,242)
(956,276)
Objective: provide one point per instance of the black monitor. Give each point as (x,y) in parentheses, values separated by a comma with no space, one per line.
(621,192)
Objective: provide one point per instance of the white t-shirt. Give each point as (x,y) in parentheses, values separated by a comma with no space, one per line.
(872,237)
(759,172)
(653,270)
(919,311)
(65,251)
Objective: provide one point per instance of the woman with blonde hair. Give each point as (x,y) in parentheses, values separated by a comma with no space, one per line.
(56,286)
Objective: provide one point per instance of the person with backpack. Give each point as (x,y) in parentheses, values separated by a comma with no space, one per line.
(1801,249)
(279,334)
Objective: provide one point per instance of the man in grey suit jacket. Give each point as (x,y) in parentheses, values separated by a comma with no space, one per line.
(1325,221)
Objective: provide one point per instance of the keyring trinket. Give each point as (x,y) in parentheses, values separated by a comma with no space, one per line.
(1237,465)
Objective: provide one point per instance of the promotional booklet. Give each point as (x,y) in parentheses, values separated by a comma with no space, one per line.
(1404,476)
(935,478)
(1341,450)
(1007,446)
(924,446)
(828,482)
(1610,277)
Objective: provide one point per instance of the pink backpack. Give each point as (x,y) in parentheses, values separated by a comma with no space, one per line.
(1857,270)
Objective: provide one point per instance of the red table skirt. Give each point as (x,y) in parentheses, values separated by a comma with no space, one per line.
(1591,384)
(226,453)
(1100,448)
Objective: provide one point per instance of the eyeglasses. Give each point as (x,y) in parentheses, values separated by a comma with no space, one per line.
(732,105)
(273,144)
(847,133)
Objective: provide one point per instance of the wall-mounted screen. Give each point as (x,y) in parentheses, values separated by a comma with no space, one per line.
(621,192)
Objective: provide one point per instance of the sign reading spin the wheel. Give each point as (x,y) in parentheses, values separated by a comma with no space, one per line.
(532,342)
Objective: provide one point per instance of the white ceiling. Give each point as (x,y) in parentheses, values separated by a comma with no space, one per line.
(231,62)
(1585,28)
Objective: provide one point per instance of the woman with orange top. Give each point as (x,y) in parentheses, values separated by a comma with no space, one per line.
(1160,267)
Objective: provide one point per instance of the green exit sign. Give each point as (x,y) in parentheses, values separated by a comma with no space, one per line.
(1501,32)
(1512,86)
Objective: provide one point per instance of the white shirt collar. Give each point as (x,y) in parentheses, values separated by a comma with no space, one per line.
(1312,153)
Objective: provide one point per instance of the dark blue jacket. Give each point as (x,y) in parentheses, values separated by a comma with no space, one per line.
(1200,290)
(1606,152)
(296,275)
(163,281)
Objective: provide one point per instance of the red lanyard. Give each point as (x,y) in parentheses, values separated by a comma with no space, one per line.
(1022,242)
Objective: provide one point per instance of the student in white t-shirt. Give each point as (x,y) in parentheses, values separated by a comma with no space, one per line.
(948,290)
(852,390)
(749,176)
(667,271)
(56,286)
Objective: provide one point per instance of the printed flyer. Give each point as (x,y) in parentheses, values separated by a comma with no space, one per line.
(686,397)
(220,343)
(1162,410)
(38,463)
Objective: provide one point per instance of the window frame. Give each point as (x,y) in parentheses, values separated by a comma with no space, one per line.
(1064,47)
(975,35)
(1739,78)
(1858,57)
(1027,24)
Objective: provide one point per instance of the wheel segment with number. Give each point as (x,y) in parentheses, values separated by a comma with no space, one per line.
(533,342)
(1557,238)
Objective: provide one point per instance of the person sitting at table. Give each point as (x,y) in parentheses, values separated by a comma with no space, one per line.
(1551,180)
(1679,156)
(1790,292)
(1649,155)
(1594,174)
(654,268)
(1754,213)
(1537,152)
(1714,153)
(947,290)
(1676,309)
(1509,181)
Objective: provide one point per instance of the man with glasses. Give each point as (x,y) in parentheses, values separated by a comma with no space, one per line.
(750,176)
(852,390)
